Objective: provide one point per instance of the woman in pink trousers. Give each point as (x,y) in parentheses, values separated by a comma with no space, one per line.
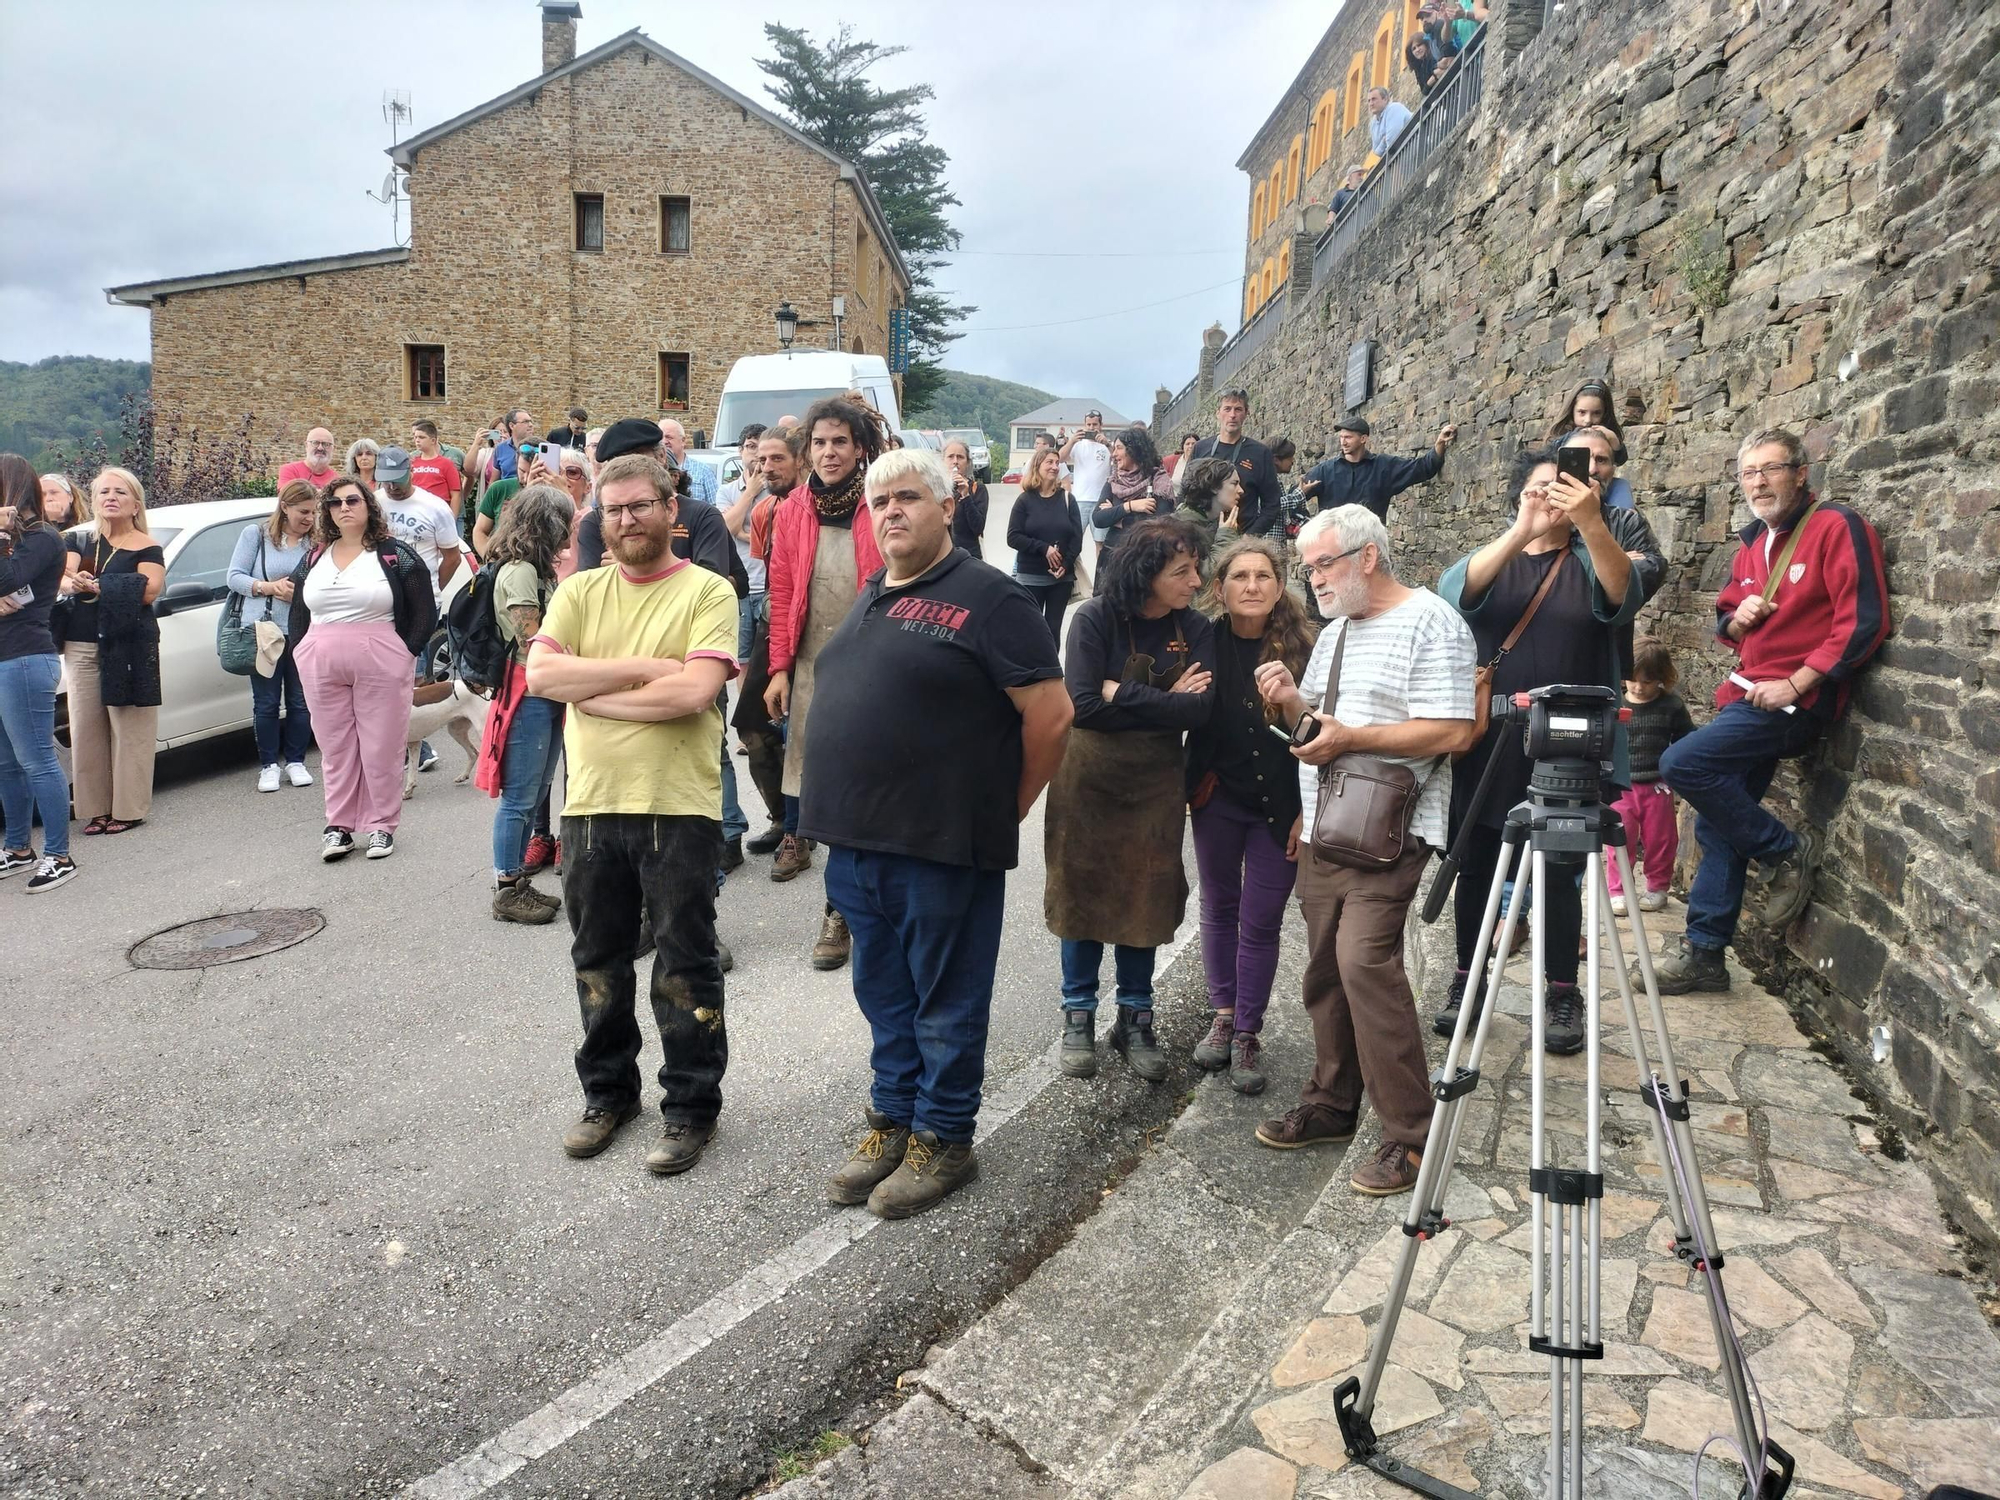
(362,611)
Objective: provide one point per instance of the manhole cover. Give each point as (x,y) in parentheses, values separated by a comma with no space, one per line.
(226,939)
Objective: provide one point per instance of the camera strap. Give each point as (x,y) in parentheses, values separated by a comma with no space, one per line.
(1785,553)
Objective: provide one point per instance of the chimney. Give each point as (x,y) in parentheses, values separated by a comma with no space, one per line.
(559,18)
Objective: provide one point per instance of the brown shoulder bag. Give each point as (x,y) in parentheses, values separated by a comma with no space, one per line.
(1366,804)
(1482,679)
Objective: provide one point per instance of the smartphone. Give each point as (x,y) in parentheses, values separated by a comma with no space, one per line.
(1574,462)
(1302,733)
(525,454)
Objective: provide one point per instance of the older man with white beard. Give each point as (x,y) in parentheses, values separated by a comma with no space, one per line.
(1390,677)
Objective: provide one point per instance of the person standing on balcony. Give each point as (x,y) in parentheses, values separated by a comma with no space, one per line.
(1358,477)
(1350,185)
(1262,493)
(1390,120)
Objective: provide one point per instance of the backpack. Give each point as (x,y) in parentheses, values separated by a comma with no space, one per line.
(479,654)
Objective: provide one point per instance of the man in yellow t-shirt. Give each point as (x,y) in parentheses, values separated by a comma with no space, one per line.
(640,652)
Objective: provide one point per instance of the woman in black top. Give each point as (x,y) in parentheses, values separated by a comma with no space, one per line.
(1046,533)
(1138,672)
(31,775)
(1243,792)
(968,517)
(1139,487)
(1561,531)
(112,653)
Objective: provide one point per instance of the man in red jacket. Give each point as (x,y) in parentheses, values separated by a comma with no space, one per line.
(1805,606)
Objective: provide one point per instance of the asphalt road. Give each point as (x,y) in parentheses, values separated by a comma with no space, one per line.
(301,1225)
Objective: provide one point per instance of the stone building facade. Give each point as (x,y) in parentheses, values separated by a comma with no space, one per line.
(1741,215)
(614,233)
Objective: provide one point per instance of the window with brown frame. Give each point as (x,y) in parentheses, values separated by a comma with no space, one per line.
(676,225)
(673,382)
(423,366)
(590,221)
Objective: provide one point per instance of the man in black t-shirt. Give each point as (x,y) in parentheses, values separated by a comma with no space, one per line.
(937,698)
(1262,492)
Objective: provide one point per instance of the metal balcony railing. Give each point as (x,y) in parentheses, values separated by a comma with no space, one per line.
(1181,408)
(1249,339)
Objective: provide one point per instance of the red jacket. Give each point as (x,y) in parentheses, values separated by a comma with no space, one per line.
(794,537)
(1832,604)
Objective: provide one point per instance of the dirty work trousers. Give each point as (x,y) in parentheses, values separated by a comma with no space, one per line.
(613,865)
(357,681)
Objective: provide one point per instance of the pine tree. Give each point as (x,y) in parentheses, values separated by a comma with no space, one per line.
(824,90)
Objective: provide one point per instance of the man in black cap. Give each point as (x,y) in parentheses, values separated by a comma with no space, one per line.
(700,533)
(1263,495)
(1359,477)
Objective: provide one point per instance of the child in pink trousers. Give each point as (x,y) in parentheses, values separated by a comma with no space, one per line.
(1649,808)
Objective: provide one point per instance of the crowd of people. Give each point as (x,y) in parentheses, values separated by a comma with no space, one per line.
(891,686)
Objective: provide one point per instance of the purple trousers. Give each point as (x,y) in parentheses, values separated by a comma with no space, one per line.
(1245,883)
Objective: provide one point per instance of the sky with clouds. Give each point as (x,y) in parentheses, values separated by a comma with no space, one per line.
(1093,148)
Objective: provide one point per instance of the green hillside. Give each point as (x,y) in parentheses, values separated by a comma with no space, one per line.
(58,403)
(979,401)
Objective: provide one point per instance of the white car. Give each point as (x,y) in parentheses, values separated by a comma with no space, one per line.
(198,700)
(976,446)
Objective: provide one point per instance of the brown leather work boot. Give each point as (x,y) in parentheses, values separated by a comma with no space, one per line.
(831,951)
(593,1132)
(1308,1125)
(930,1172)
(1391,1170)
(793,859)
(879,1153)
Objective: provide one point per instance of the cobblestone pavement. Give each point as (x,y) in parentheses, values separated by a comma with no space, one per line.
(1876,1361)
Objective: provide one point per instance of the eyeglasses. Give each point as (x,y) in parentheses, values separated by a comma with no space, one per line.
(341,502)
(1327,565)
(638,510)
(1764,471)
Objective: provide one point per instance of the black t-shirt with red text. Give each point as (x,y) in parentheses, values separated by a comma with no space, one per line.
(915,745)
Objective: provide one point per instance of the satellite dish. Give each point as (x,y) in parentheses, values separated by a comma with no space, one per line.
(388,187)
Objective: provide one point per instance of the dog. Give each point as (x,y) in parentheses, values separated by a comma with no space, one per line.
(439,707)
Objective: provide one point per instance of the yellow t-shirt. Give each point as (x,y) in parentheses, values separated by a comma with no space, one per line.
(670,769)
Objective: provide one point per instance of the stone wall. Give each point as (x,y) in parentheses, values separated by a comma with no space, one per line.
(525,319)
(1745,216)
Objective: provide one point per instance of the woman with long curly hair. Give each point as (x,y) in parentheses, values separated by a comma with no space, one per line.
(526,731)
(1243,796)
(361,610)
(1137,668)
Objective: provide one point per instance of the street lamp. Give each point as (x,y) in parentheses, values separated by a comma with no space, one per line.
(788,324)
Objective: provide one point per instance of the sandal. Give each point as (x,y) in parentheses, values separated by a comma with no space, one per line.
(96,824)
(112,825)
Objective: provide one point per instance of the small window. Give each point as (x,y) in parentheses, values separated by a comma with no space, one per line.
(673,382)
(1322,130)
(590,221)
(1274,194)
(425,371)
(1385,49)
(1292,159)
(1350,114)
(1269,280)
(1412,24)
(676,225)
(1250,300)
(1285,263)
(1257,209)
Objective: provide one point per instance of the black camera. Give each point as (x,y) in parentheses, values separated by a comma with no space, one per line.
(1565,721)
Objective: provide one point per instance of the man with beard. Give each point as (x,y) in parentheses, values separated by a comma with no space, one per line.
(1403,692)
(778,462)
(641,651)
(1263,494)
(1357,477)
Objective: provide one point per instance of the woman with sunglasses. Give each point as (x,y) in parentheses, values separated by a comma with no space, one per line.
(362,610)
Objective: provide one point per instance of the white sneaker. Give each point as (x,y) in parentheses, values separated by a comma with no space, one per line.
(1618,906)
(267,779)
(298,773)
(1653,901)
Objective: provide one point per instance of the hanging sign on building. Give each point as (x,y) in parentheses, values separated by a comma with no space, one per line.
(899,340)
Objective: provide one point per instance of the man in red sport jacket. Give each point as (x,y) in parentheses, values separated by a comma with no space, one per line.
(1798,646)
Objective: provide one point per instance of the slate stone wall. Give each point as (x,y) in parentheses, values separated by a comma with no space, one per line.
(1746,216)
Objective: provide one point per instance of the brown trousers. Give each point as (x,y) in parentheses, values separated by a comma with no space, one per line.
(1364,1019)
(111,749)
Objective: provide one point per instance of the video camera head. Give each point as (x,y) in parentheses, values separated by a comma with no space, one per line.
(1566,721)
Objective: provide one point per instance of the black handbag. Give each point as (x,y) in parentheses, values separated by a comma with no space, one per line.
(1366,804)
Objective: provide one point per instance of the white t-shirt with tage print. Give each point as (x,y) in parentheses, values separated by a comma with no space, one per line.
(1412,662)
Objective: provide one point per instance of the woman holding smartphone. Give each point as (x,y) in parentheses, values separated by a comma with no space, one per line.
(31,776)
(1243,800)
(968,518)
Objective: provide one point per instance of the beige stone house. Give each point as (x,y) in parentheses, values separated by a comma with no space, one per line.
(615,232)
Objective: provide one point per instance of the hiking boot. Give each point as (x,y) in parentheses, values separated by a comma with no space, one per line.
(1079,1044)
(879,1154)
(1789,888)
(732,855)
(518,901)
(1308,1125)
(1132,1036)
(830,952)
(336,843)
(794,858)
(1562,1021)
(1685,969)
(1391,1170)
(541,853)
(555,864)
(766,841)
(593,1132)
(1244,1075)
(931,1170)
(1211,1053)
(1446,1020)
(679,1147)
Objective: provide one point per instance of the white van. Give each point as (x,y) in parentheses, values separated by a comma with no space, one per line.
(764,387)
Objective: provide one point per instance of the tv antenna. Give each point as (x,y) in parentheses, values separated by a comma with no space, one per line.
(395,190)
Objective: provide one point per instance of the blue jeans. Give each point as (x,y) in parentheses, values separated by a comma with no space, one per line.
(278,740)
(31,777)
(926,941)
(525,769)
(734,824)
(791,814)
(1082,960)
(1722,770)
(749,610)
